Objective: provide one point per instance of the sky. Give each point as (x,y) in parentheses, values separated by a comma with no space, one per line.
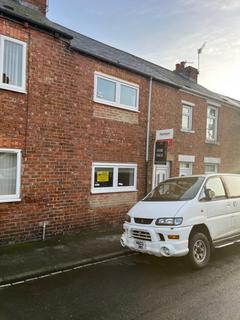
(165,32)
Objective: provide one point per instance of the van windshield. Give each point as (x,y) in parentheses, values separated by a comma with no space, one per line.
(179,189)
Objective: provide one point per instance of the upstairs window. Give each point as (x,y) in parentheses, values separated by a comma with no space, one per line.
(118,93)
(186,118)
(12,64)
(10,168)
(212,123)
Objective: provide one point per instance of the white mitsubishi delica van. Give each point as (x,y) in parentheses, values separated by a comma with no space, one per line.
(188,215)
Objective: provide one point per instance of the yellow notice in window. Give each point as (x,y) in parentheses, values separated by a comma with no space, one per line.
(102,176)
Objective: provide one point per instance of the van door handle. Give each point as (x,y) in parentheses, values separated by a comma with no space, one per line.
(228,205)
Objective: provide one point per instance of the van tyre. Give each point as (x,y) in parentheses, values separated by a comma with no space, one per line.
(199,250)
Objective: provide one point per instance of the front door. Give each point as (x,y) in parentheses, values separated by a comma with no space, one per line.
(162,172)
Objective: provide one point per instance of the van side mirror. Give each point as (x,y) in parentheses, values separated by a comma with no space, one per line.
(210,194)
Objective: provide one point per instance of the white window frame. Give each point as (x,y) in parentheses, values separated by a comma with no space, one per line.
(211,164)
(216,123)
(190,115)
(118,83)
(212,161)
(6,86)
(15,197)
(115,187)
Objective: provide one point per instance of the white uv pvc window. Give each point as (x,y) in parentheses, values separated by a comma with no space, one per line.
(12,64)
(212,124)
(116,92)
(10,168)
(113,177)
(211,168)
(186,117)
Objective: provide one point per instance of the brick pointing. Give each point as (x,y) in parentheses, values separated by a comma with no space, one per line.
(112,113)
(113,200)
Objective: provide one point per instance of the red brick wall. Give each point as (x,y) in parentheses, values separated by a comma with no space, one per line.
(167,114)
(62,131)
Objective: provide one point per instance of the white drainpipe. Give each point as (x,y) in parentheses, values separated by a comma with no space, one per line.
(149,119)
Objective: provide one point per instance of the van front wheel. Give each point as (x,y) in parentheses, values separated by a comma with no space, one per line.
(199,250)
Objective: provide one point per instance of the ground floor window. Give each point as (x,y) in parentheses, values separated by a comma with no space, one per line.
(113,177)
(10,170)
(185,169)
(211,164)
(211,168)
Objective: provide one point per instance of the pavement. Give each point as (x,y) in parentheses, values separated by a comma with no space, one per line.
(23,261)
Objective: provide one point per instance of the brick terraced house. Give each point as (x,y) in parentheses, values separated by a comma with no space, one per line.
(83,126)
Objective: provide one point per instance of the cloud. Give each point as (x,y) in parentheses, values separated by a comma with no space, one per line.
(224,5)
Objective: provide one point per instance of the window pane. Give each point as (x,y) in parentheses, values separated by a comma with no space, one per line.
(215,184)
(184,165)
(106,89)
(128,96)
(8,173)
(186,117)
(185,122)
(211,129)
(186,110)
(125,177)
(176,189)
(103,177)
(12,63)
(233,185)
(212,112)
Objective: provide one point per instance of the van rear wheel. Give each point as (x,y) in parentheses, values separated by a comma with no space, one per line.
(199,250)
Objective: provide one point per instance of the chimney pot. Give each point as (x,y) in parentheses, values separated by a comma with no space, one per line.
(40,5)
(188,72)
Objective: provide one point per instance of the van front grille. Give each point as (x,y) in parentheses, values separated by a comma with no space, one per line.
(141,235)
(143,220)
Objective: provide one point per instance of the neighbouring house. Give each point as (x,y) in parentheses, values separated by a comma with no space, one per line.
(86,129)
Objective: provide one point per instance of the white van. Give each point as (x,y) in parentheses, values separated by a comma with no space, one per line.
(188,215)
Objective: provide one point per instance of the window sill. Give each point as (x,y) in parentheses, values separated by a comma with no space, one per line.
(112,191)
(10,200)
(187,131)
(107,103)
(12,88)
(212,142)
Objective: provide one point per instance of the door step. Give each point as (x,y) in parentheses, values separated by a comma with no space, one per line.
(226,242)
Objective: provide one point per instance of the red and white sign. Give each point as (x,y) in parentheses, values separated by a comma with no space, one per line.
(166,134)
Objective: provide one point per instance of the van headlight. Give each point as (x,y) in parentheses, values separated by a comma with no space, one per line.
(169,221)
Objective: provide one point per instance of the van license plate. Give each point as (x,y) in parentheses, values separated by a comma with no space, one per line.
(141,244)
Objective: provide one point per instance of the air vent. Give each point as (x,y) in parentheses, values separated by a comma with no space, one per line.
(143,220)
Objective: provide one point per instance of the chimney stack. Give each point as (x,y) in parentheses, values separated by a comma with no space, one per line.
(188,72)
(40,5)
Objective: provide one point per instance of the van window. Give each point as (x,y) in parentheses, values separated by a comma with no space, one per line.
(215,185)
(233,185)
(179,189)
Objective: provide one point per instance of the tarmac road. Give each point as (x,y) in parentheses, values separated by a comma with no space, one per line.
(133,287)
